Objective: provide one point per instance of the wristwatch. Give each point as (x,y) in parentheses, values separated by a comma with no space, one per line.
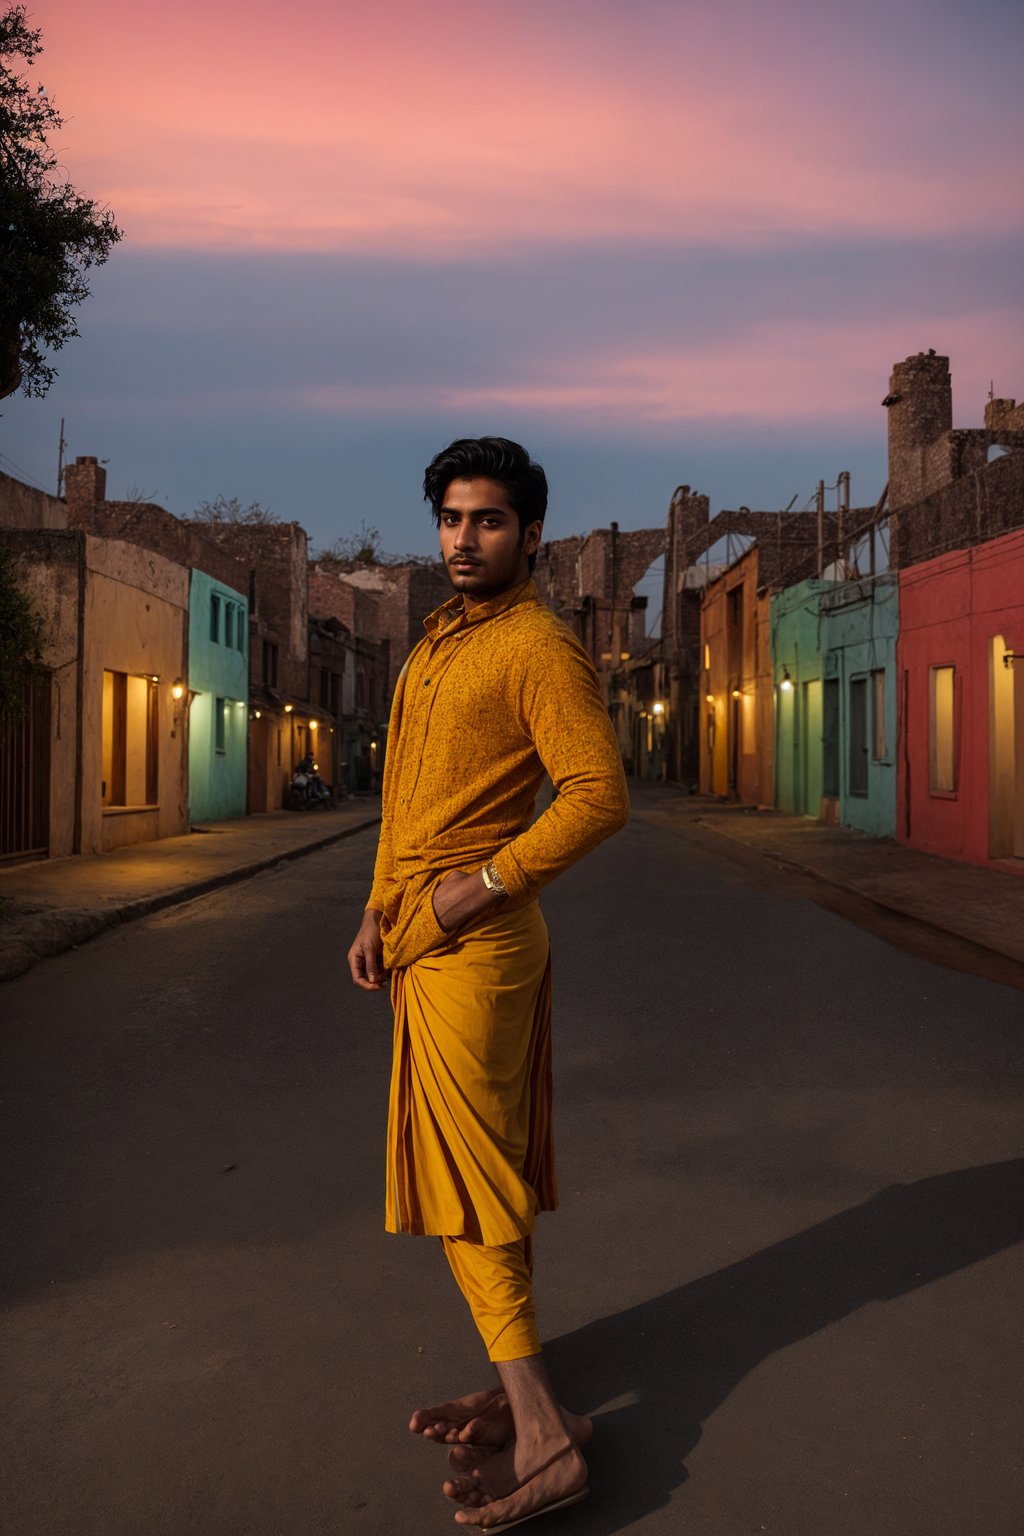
(493,880)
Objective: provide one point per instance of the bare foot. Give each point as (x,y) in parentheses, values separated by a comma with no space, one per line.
(563,1476)
(487,1473)
(472,1418)
(482,1419)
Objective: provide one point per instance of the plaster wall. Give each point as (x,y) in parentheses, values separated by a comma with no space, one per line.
(217,776)
(22,506)
(965,610)
(796,631)
(736,756)
(859,633)
(136,622)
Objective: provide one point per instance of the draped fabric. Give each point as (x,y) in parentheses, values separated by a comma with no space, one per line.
(469,1127)
(498,1285)
(488,702)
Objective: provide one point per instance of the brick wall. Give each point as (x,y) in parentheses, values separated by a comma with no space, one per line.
(968,511)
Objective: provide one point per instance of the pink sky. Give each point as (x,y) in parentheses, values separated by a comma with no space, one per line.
(475,126)
(654,228)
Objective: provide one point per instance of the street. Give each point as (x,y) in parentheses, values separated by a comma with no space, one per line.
(783,1274)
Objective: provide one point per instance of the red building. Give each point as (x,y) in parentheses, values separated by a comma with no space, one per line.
(961,666)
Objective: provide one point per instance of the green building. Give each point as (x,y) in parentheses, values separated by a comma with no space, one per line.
(860,625)
(218,683)
(796,625)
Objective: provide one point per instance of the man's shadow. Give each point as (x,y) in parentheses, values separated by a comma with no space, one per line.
(682,1353)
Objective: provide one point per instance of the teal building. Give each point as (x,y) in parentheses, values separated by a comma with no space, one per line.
(860,626)
(797,664)
(218,683)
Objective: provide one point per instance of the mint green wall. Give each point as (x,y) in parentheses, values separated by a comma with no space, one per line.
(860,629)
(796,646)
(217,670)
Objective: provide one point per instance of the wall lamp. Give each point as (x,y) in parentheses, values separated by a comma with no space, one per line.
(288,708)
(737,693)
(787,682)
(177,689)
(710,698)
(1009,657)
(313,724)
(657,708)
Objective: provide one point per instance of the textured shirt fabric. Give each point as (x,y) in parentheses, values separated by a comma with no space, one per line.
(487,703)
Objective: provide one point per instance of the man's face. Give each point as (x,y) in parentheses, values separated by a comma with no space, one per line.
(481,545)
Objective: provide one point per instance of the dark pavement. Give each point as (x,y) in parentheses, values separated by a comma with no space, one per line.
(786,1271)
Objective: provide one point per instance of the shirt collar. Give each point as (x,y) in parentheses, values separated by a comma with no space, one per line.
(452,614)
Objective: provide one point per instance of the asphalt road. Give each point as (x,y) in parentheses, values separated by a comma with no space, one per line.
(783,1273)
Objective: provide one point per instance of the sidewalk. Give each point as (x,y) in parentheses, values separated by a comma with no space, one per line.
(983,906)
(49,906)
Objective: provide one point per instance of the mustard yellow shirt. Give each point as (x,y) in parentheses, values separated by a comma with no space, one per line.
(487,703)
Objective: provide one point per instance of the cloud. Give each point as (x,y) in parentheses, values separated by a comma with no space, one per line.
(460,129)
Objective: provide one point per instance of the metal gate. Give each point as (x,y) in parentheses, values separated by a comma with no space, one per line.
(25,776)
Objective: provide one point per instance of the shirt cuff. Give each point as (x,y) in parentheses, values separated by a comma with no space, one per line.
(511,875)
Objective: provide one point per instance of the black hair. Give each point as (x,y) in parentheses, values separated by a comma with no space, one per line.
(490,458)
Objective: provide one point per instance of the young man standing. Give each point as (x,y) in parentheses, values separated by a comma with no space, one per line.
(497,694)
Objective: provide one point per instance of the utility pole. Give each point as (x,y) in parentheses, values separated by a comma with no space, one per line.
(821,528)
(60,459)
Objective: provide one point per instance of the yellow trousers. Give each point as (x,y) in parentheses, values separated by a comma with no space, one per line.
(470,1156)
(498,1285)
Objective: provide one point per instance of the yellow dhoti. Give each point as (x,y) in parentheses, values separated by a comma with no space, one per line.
(469,1127)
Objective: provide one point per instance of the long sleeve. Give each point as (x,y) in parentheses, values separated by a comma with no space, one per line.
(562,711)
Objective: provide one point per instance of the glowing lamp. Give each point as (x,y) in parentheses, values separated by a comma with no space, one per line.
(313,724)
(658,707)
(288,708)
(787,682)
(177,688)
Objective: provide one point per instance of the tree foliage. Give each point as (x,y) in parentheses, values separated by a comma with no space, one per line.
(228,509)
(21,640)
(50,236)
(364,547)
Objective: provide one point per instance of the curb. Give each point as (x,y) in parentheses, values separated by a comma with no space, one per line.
(854,890)
(76,928)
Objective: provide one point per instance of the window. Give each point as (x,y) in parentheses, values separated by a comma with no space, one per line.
(130,728)
(214,618)
(879,746)
(229,625)
(858,736)
(269,664)
(325,689)
(220,707)
(941,730)
(241,627)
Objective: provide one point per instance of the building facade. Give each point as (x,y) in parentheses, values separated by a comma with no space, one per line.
(218,692)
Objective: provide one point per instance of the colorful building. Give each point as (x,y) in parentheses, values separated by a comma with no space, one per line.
(796,636)
(961,666)
(736,719)
(108,765)
(860,624)
(218,687)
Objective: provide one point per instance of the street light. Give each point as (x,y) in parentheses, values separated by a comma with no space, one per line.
(658,707)
(787,682)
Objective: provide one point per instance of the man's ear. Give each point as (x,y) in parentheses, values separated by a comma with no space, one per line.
(532,537)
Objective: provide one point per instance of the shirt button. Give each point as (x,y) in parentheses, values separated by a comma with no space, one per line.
(426,682)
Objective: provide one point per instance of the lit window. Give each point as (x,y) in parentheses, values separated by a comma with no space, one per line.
(941,730)
(220,707)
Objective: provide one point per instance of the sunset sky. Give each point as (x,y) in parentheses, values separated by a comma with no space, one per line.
(658,242)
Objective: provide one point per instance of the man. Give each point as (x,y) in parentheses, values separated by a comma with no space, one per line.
(497,694)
